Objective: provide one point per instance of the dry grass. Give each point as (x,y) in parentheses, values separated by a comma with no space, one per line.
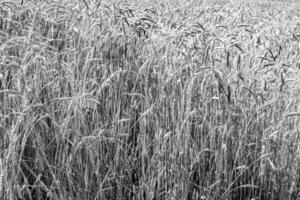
(161,100)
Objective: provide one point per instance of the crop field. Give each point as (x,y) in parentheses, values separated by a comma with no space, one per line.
(149,100)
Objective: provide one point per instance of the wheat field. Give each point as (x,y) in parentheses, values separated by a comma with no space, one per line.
(149,100)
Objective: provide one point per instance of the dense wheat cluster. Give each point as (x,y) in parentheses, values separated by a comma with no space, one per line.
(149,100)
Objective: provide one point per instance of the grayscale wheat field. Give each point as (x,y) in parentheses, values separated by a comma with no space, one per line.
(149,100)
